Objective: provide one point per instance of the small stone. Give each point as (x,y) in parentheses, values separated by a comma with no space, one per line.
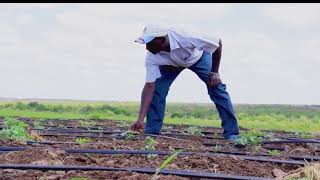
(278,172)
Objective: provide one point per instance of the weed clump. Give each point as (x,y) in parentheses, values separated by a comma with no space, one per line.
(14,130)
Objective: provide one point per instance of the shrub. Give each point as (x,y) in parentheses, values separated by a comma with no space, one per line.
(15,130)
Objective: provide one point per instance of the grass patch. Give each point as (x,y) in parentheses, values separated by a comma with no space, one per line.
(15,130)
(194,130)
(82,141)
(273,117)
(273,152)
(252,137)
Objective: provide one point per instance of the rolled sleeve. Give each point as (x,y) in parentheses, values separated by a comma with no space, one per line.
(206,44)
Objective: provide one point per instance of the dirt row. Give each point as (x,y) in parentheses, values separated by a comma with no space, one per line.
(51,154)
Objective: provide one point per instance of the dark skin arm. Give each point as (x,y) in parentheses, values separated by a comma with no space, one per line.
(216,57)
(146,98)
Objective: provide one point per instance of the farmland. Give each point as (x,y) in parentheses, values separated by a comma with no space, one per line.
(302,118)
(92,140)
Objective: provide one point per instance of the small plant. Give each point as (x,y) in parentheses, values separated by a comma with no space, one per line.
(194,130)
(88,124)
(82,141)
(252,137)
(38,124)
(216,135)
(268,136)
(15,130)
(79,178)
(123,124)
(150,142)
(261,134)
(256,149)
(94,116)
(128,134)
(165,163)
(217,148)
(61,126)
(305,135)
(273,152)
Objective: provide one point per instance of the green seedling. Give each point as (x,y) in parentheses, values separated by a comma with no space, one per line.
(305,135)
(123,124)
(194,130)
(86,123)
(217,148)
(252,137)
(38,124)
(128,134)
(256,149)
(94,116)
(79,178)
(150,146)
(82,141)
(15,130)
(260,134)
(268,136)
(273,152)
(165,163)
(216,135)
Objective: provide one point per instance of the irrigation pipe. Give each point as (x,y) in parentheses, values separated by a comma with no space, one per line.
(143,152)
(184,173)
(317,158)
(292,141)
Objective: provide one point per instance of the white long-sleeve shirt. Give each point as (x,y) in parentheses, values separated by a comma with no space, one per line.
(186,50)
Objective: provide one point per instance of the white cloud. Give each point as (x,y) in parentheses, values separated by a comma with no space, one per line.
(298,15)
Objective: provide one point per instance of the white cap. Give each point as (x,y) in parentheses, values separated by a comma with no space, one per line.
(150,32)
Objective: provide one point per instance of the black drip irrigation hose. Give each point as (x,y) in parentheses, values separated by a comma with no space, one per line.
(113,136)
(265,147)
(110,132)
(77,127)
(85,135)
(274,148)
(12,148)
(189,173)
(77,131)
(51,142)
(311,158)
(297,138)
(308,158)
(166,125)
(2,152)
(292,141)
(69,150)
(276,142)
(143,152)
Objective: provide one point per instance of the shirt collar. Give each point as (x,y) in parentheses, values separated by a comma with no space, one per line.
(173,42)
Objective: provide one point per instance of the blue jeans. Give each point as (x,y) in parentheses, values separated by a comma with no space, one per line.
(218,95)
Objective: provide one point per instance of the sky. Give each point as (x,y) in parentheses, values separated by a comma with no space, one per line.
(87,51)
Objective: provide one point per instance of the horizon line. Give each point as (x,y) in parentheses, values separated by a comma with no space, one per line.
(2,99)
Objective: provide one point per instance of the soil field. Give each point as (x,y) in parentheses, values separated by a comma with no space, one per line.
(109,144)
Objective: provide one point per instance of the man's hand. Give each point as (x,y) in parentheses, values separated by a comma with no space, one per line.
(137,125)
(214,79)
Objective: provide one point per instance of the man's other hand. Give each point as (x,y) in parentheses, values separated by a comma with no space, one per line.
(214,79)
